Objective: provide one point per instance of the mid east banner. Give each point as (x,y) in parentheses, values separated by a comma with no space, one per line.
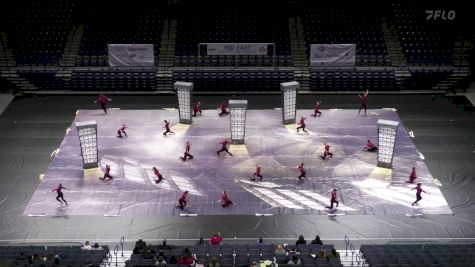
(236,49)
(333,55)
(129,55)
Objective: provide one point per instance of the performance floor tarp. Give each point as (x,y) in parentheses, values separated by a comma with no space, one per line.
(362,187)
(31,128)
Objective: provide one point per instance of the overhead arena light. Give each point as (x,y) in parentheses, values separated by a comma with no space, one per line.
(87,131)
(387,132)
(289,101)
(237,109)
(184,93)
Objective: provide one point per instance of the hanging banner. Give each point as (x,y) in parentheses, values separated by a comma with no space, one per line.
(333,55)
(236,49)
(127,55)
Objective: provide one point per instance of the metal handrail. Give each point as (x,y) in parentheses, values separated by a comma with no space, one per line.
(122,240)
(116,250)
(352,248)
(347,241)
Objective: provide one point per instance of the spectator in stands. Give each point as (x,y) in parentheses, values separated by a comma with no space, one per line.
(22,256)
(254,264)
(164,245)
(223,107)
(214,262)
(363,99)
(148,252)
(197,109)
(413,175)
(97,247)
(295,260)
(103,100)
(279,250)
(333,254)
(140,245)
(321,254)
(260,241)
(317,241)
(160,261)
(35,259)
(293,251)
(370,147)
(301,241)
(216,239)
(186,258)
(86,246)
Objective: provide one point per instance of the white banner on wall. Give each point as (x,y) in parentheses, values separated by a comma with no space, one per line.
(131,55)
(236,49)
(333,55)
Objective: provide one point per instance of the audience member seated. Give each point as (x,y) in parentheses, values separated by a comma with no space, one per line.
(292,252)
(86,246)
(164,245)
(187,258)
(254,264)
(173,260)
(317,241)
(140,245)
(97,247)
(279,250)
(201,242)
(216,239)
(301,241)
(321,254)
(214,262)
(160,261)
(148,252)
(294,261)
(260,241)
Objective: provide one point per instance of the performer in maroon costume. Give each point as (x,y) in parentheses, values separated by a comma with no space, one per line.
(187,154)
(60,195)
(183,201)
(225,201)
(317,112)
(167,128)
(158,174)
(223,107)
(107,173)
(103,100)
(224,147)
(363,99)
(197,109)
(333,200)
(302,124)
(122,131)
(257,173)
(419,191)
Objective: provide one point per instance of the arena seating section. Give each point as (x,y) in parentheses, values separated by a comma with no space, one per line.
(70,256)
(427,255)
(327,22)
(233,24)
(243,255)
(37,33)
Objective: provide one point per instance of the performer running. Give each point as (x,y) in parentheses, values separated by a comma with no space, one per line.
(301,171)
(225,201)
(333,200)
(183,201)
(327,152)
(363,99)
(60,194)
(158,174)
(257,173)
(107,173)
(224,147)
(223,107)
(103,100)
(418,193)
(413,175)
(197,109)
(187,154)
(302,124)
(122,131)
(317,112)
(167,127)
(370,147)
